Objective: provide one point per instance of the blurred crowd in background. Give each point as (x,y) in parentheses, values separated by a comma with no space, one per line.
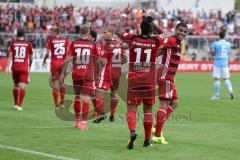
(39,20)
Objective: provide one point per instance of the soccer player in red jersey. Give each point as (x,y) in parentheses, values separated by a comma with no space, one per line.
(109,75)
(83,54)
(57,47)
(171,55)
(141,77)
(20,54)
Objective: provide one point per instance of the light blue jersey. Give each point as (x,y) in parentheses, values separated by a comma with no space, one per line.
(222,49)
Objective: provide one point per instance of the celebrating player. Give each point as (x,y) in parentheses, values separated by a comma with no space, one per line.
(109,75)
(83,54)
(20,54)
(141,77)
(57,47)
(220,50)
(171,54)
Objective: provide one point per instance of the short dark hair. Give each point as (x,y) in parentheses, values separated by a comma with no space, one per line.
(93,34)
(181,24)
(56,29)
(147,25)
(222,34)
(20,32)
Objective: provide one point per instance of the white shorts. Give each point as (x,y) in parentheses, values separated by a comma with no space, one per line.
(220,72)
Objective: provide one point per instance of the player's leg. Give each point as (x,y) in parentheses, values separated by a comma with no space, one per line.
(114,99)
(147,123)
(62,93)
(227,82)
(15,95)
(55,92)
(15,77)
(131,118)
(114,103)
(22,91)
(166,93)
(216,75)
(85,110)
(99,106)
(77,110)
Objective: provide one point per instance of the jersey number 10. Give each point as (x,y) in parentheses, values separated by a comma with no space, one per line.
(83,56)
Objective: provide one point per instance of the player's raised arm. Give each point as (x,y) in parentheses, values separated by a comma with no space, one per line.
(126,11)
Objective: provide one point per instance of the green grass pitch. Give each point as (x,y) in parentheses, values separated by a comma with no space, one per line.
(200,129)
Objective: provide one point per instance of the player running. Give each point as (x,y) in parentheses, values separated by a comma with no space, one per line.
(20,54)
(109,75)
(171,55)
(57,47)
(83,54)
(143,50)
(220,50)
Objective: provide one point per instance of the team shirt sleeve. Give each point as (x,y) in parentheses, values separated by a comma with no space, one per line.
(213,48)
(126,36)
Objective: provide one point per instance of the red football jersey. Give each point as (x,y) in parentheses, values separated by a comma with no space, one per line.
(20,58)
(112,66)
(83,53)
(142,56)
(171,56)
(58,48)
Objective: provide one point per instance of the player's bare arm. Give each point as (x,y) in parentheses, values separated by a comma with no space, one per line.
(64,68)
(126,11)
(45,58)
(7,70)
(30,60)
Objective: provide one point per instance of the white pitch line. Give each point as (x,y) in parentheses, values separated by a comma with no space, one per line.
(35,152)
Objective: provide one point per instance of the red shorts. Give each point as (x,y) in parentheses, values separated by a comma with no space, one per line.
(84,87)
(140,94)
(105,85)
(20,77)
(55,74)
(167,90)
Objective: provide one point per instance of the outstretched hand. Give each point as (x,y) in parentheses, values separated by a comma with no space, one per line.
(127,10)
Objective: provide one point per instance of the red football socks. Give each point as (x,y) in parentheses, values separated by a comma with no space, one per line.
(55,96)
(62,93)
(161,118)
(85,111)
(147,123)
(77,108)
(15,95)
(99,105)
(114,102)
(21,96)
(131,118)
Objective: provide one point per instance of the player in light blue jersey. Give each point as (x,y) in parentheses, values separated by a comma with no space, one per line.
(220,50)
